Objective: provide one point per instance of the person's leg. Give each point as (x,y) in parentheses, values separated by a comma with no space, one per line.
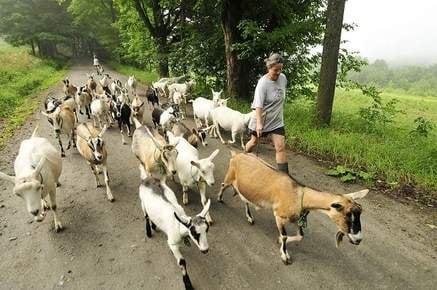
(281,158)
(251,143)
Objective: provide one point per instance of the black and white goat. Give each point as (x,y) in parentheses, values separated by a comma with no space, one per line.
(163,118)
(160,208)
(83,100)
(123,116)
(152,97)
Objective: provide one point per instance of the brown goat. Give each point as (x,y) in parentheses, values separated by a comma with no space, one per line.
(290,200)
(91,146)
(69,89)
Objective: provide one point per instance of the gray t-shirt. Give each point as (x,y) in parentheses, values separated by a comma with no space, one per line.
(270,96)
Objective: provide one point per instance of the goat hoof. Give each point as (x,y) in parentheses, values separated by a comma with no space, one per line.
(58,184)
(59,227)
(251,221)
(111,199)
(220,199)
(62,154)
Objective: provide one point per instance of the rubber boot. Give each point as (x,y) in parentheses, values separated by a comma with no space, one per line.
(283,167)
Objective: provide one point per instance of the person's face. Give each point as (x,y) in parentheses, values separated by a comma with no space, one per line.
(275,71)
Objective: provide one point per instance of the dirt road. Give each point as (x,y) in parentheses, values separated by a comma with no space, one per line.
(103,246)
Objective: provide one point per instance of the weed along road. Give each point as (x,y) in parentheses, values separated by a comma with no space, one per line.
(103,245)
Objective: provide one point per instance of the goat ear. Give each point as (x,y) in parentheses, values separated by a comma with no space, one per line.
(182,220)
(213,154)
(337,206)
(195,131)
(357,195)
(221,91)
(212,90)
(205,209)
(194,163)
(6,177)
(103,131)
(39,167)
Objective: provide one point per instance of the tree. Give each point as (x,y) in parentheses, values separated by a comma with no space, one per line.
(166,16)
(328,70)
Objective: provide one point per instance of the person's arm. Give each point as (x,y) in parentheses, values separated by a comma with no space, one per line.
(258,104)
(259,121)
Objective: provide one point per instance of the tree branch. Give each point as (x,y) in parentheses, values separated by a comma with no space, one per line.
(142,11)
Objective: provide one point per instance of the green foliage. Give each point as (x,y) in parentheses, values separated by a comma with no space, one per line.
(378,114)
(348,175)
(146,77)
(410,79)
(423,127)
(21,78)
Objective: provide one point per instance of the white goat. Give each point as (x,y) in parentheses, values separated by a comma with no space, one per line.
(91,146)
(100,111)
(159,204)
(179,99)
(138,109)
(202,109)
(230,120)
(132,84)
(191,170)
(37,167)
(184,89)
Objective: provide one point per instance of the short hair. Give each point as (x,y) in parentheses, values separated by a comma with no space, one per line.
(274,58)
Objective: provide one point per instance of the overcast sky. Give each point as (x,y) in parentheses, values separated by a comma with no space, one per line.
(395,30)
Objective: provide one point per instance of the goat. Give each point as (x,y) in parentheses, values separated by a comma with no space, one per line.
(116,87)
(104,83)
(289,199)
(91,83)
(100,111)
(202,109)
(180,99)
(63,121)
(91,146)
(161,209)
(69,89)
(191,170)
(123,117)
(163,118)
(152,97)
(181,88)
(37,167)
(194,136)
(154,154)
(83,100)
(230,120)
(138,109)
(131,84)
(161,88)
(100,70)
(51,103)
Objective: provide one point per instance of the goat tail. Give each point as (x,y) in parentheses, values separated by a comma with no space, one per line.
(136,122)
(35,131)
(190,101)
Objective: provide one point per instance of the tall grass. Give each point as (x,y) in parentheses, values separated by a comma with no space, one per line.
(392,153)
(146,77)
(22,77)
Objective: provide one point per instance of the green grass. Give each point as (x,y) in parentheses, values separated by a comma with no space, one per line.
(392,154)
(145,77)
(22,77)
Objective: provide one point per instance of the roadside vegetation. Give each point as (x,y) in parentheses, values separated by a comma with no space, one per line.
(22,77)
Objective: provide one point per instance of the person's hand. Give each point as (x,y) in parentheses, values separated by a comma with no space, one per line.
(259,129)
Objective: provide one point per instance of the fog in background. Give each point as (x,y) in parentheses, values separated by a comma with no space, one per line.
(398,31)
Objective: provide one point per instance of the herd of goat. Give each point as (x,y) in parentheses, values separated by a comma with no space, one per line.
(169,149)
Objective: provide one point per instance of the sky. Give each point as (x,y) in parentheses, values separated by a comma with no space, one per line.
(399,31)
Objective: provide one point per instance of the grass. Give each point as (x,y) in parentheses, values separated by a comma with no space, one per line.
(22,77)
(391,154)
(145,77)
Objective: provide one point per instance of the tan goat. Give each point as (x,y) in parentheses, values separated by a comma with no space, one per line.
(153,152)
(91,146)
(69,89)
(63,121)
(289,200)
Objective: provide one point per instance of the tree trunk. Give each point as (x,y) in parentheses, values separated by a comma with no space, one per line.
(163,50)
(237,81)
(328,70)
(32,45)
